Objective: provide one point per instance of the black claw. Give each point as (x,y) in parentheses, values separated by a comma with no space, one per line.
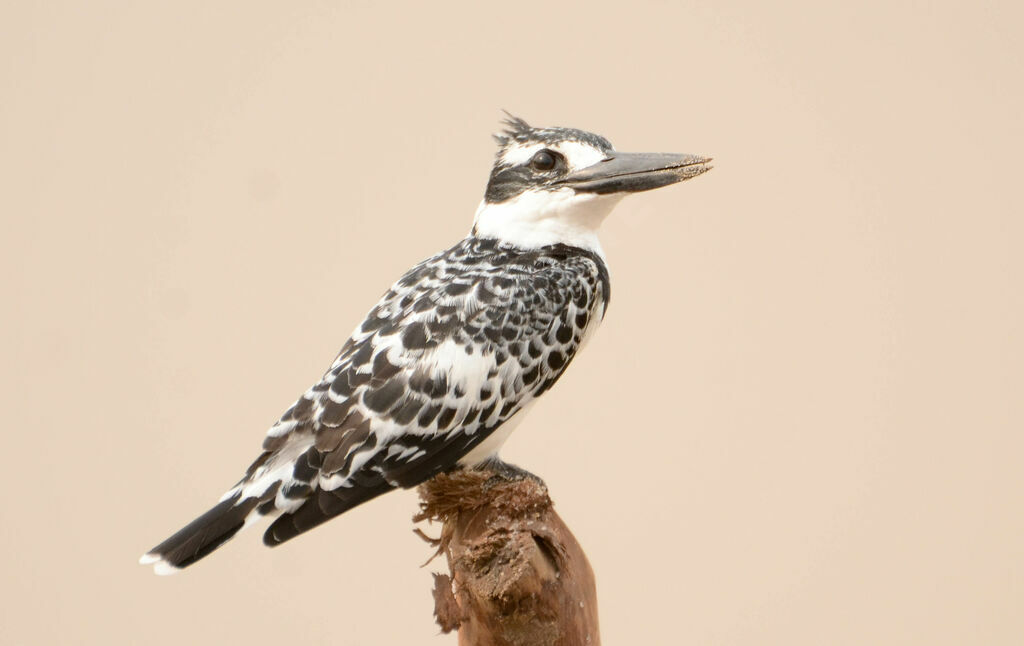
(505,472)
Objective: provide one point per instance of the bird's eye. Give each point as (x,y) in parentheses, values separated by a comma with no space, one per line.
(544,160)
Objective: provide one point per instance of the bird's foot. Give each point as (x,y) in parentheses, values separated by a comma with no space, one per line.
(505,472)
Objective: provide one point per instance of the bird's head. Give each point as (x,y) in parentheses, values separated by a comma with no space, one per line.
(556,185)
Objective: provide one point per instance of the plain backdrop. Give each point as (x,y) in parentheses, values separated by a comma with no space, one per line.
(801,422)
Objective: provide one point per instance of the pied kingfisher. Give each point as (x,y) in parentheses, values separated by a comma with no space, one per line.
(455,352)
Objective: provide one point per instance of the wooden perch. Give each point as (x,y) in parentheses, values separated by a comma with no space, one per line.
(518,576)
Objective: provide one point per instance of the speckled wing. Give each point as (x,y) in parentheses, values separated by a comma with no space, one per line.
(453,350)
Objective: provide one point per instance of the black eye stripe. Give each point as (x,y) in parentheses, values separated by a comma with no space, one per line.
(511,177)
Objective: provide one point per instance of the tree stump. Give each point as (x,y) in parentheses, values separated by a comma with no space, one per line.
(517,575)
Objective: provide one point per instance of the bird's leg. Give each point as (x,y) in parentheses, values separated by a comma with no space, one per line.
(508,472)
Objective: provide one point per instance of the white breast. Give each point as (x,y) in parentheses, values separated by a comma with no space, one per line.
(489,447)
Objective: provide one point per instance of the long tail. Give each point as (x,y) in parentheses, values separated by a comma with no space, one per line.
(255,496)
(278,485)
(202,536)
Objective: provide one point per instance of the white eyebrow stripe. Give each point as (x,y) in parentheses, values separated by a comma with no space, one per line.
(517,154)
(577,155)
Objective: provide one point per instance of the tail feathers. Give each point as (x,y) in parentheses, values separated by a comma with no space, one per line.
(202,536)
(297,506)
(317,509)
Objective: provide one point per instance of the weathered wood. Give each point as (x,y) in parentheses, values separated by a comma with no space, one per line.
(518,576)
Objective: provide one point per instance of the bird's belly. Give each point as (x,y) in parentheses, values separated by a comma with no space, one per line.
(490,446)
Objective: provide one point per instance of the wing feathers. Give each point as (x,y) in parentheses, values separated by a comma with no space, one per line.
(455,349)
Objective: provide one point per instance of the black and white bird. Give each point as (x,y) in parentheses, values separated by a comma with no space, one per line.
(449,360)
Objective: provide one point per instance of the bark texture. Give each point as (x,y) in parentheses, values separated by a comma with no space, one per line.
(518,576)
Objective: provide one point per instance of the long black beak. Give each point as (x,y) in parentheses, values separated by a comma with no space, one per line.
(635,172)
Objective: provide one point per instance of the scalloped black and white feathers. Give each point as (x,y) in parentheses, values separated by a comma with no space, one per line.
(444,365)
(457,347)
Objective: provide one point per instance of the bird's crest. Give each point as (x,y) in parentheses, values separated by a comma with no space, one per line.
(516,129)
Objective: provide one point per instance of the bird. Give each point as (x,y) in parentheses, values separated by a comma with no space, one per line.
(455,353)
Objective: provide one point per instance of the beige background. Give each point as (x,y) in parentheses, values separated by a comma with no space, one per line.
(800,424)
